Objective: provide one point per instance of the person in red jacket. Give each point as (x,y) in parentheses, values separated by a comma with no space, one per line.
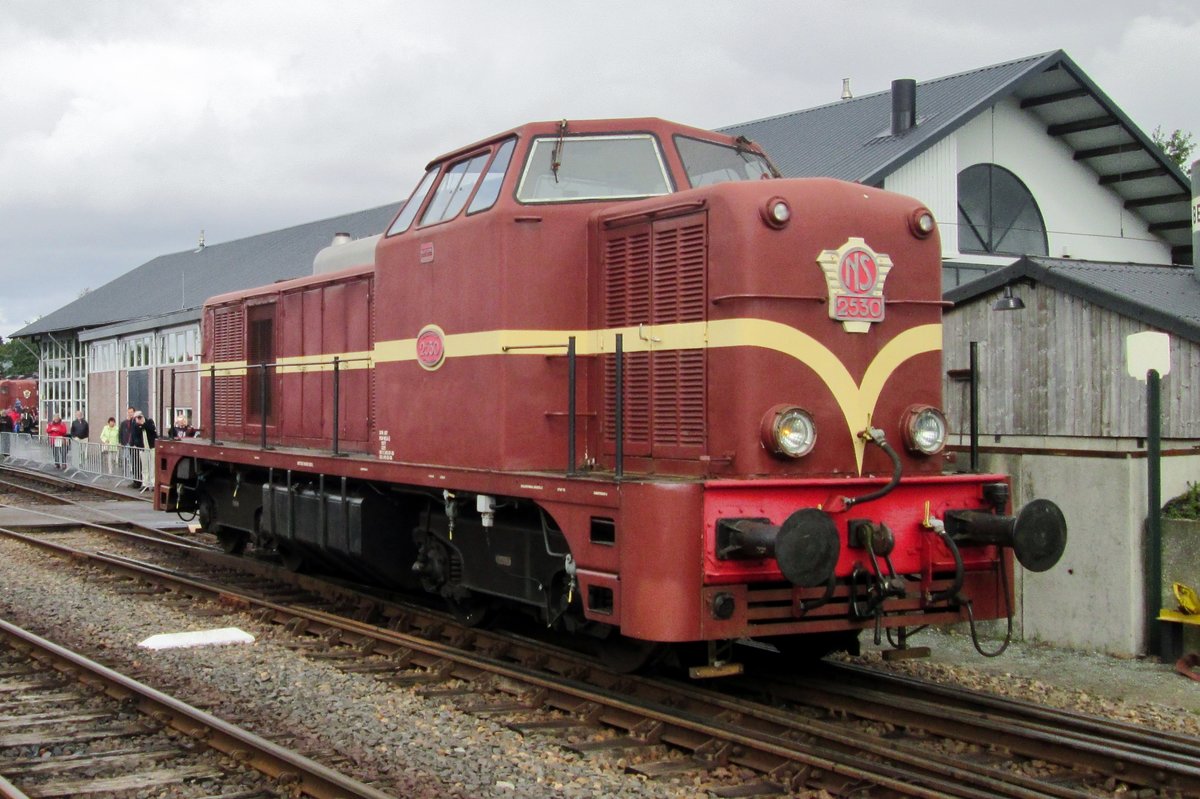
(56,431)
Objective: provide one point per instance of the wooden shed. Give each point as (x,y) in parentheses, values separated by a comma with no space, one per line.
(1060,412)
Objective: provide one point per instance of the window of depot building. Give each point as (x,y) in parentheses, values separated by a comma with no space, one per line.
(707,162)
(136,353)
(102,356)
(178,346)
(575,168)
(997,214)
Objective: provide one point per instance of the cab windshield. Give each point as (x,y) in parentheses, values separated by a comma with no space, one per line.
(574,168)
(707,162)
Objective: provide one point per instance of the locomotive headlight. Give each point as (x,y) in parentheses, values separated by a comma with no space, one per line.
(921,223)
(788,431)
(776,212)
(924,430)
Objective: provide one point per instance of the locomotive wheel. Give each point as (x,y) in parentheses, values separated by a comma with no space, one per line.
(470,612)
(206,514)
(232,541)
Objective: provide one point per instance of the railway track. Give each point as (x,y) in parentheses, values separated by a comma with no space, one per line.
(833,733)
(72,727)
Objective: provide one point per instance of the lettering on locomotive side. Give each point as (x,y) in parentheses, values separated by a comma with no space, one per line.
(385,452)
(854,274)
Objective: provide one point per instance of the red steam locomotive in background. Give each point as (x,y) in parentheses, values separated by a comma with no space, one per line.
(619,373)
(19,392)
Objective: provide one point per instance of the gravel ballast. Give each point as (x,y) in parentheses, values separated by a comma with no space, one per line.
(427,748)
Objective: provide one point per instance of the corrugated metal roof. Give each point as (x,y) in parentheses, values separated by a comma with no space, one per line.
(184,280)
(1165,297)
(852,139)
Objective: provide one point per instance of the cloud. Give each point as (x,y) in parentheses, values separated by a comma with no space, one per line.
(125,132)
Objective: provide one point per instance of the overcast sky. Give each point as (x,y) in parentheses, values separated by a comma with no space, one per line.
(128,127)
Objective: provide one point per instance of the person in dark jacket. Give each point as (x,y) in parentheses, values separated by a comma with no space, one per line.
(79,427)
(125,432)
(6,426)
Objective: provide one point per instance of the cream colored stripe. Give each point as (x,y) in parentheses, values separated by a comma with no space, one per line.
(857,402)
(299,364)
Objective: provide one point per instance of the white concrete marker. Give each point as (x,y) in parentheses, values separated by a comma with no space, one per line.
(225,635)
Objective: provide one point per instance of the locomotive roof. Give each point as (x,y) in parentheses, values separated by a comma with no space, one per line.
(661,127)
(852,139)
(1165,297)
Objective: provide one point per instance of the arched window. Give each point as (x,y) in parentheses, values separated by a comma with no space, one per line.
(997,214)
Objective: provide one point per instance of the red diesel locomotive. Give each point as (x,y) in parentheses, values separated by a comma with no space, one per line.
(621,374)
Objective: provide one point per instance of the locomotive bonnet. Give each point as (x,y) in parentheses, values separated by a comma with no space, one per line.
(622,375)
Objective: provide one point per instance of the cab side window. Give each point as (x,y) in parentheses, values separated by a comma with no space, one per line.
(489,187)
(453,191)
(409,212)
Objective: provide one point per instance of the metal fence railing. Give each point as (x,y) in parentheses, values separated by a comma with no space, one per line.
(133,464)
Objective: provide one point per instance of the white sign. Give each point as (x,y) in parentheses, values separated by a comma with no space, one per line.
(1146,351)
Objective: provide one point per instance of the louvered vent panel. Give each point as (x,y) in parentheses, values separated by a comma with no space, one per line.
(677,386)
(229,344)
(627,303)
(657,277)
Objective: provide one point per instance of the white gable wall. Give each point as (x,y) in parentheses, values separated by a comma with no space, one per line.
(1083,219)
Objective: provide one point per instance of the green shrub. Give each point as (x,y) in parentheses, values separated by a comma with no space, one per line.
(1186,505)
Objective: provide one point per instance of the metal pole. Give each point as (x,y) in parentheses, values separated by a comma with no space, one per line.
(570,406)
(161,411)
(174,411)
(212,404)
(974,385)
(620,410)
(262,404)
(1154,517)
(337,385)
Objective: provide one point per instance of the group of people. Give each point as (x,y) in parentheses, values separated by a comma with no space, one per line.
(60,437)
(137,432)
(18,419)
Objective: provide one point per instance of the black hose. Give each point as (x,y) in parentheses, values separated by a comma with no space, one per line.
(952,591)
(887,489)
(1007,612)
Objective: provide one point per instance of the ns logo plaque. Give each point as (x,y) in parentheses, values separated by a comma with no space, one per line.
(855,274)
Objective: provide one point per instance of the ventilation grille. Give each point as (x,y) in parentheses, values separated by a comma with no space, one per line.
(654,274)
(229,344)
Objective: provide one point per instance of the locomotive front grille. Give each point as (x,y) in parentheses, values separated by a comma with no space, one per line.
(655,273)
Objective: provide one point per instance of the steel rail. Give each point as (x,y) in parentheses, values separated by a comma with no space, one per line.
(1135,764)
(1181,747)
(767,751)
(269,758)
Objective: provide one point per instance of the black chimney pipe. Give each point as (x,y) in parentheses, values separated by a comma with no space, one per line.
(904,105)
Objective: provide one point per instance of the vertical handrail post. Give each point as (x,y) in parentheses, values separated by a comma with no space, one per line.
(571,406)
(337,391)
(174,407)
(212,404)
(262,405)
(620,410)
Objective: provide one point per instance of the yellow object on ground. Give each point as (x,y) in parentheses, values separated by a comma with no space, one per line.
(1189,601)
